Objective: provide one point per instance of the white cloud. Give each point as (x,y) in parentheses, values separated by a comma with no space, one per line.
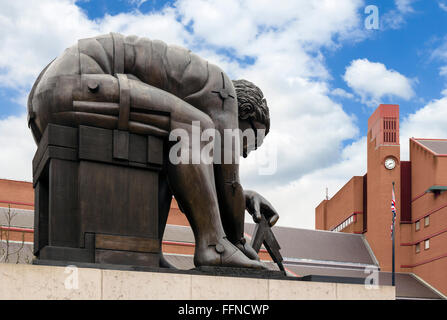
(404,5)
(395,19)
(442,5)
(427,122)
(238,24)
(17,149)
(339,92)
(443,71)
(286,43)
(296,201)
(34,33)
(440,52)
(372,81)
(138,3)
(158,25)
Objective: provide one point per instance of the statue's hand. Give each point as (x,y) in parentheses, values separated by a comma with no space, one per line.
(257,205)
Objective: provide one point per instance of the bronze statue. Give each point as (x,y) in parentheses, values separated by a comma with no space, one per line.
(147,87)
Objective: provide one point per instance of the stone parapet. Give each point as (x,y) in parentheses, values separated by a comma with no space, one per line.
(21,281)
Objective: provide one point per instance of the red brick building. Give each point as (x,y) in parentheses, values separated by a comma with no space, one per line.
(363,205)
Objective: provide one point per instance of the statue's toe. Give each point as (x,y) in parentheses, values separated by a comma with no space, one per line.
(240,260)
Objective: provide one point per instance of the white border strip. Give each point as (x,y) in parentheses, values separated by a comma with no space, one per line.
(328,262)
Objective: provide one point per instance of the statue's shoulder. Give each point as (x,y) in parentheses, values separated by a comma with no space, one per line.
(105,41)
(186,71)
(98,50)
(169,66)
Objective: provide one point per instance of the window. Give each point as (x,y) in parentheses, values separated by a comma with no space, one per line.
(418,247)
(418,225)
(426,221)
(344,224)
(427,244)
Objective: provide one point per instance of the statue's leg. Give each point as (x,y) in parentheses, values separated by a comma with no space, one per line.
(232,206)
(193,185)
(194,188)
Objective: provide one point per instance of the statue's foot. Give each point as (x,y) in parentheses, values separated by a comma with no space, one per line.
(224,254)
(247,249)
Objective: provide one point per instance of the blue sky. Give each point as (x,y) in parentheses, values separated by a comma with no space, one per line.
(406,49)
(98,8)
(322,72)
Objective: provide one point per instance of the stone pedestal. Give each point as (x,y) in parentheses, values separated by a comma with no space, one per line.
(96,196)
(51,282)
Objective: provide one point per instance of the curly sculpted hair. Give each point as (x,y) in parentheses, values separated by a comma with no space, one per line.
(251,102)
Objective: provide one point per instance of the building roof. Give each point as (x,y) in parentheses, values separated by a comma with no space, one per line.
(408,286)
(311,247)
(178,234)
(19,218)
(316,245)
(436,146)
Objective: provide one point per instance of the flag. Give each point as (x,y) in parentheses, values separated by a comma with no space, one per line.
(393,211)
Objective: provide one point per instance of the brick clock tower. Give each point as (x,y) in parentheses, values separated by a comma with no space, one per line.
(383,169)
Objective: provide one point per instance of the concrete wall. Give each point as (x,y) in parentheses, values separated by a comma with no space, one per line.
(20,281)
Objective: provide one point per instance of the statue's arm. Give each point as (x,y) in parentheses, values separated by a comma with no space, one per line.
(151,110)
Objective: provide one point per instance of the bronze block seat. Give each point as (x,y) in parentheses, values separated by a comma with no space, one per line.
(96,196)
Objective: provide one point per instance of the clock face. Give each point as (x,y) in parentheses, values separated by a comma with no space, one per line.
(390,163)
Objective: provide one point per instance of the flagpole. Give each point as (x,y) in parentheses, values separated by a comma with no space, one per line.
(393,274)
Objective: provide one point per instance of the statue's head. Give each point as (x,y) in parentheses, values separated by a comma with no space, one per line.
(253,113)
